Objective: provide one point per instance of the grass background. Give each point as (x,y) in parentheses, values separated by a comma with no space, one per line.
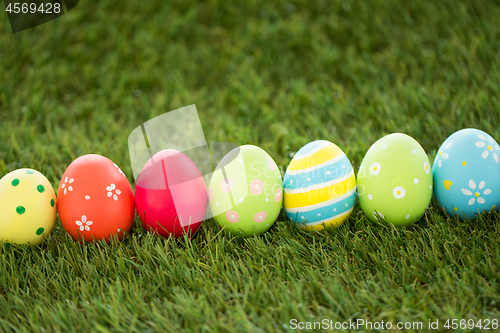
(277,75)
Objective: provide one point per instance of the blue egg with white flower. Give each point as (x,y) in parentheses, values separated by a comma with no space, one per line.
(466,174)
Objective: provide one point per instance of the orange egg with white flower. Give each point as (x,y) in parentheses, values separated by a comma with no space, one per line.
(95,199)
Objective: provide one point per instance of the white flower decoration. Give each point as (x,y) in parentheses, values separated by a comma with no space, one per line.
(399,192)
(489,147)
(67,182)
(472,186)
(427,169)
(442,155)
(120,170)
(84,224)
(375,168)
(110,190)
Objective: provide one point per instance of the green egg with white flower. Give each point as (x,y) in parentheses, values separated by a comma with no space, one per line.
(395,180)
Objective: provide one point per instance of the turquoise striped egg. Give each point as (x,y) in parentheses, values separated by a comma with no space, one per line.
(319,186)
(466,174)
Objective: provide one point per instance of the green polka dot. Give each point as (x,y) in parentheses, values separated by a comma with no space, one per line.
(15,182)
(20,210)
(40,231)
(52,202)
(40,188)
(30,172)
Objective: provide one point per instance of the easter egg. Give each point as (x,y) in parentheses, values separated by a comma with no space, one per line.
(95,200)
(319,186)
(171,194)
(27,207)
(245,191)
(395,180)
(466,174)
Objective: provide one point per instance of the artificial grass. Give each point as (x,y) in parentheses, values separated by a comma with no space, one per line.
(277,75)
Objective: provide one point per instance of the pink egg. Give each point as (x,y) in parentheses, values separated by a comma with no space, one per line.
(170,195)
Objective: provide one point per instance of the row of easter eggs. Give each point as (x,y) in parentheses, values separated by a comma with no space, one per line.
(246,192)
(95,199)
(395,182)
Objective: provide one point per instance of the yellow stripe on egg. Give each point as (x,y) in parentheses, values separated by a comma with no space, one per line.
(317,166)
(320,205)
(315,194)
(321,156)
(333,222)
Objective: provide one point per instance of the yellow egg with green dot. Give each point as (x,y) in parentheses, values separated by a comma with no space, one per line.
(27,206)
